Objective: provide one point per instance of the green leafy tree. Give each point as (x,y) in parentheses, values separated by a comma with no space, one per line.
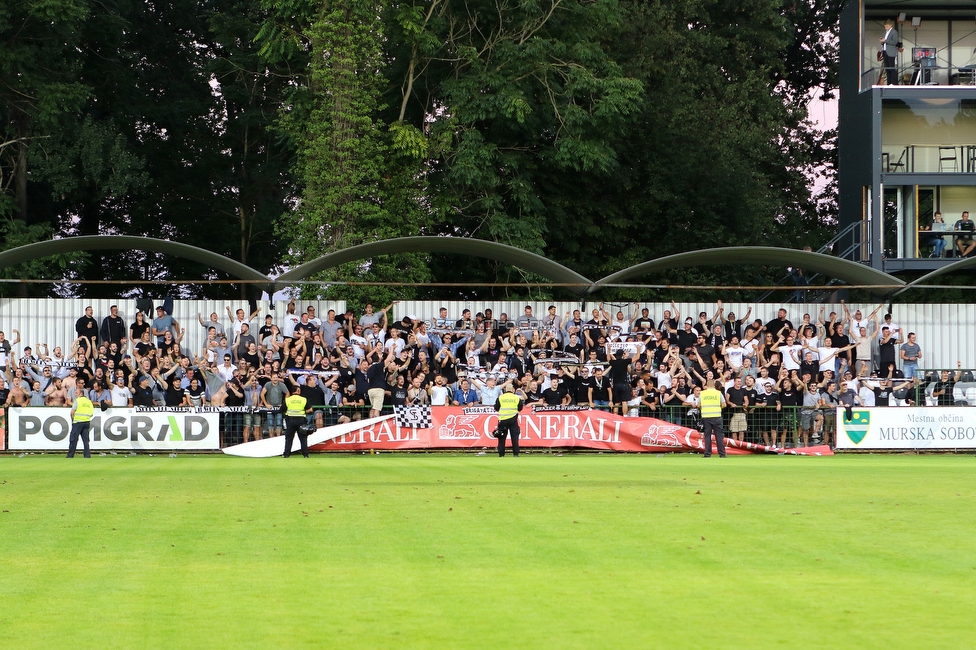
(358,176)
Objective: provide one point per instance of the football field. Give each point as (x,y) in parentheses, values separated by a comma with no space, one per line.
(466,551)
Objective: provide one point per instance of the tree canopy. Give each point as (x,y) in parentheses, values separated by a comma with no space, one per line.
(599,133)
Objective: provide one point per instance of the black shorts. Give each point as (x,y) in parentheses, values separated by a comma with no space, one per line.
(622,393)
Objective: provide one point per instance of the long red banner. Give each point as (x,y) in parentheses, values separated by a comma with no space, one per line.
(455,427)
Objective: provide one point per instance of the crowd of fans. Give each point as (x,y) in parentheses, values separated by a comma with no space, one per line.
(779,377)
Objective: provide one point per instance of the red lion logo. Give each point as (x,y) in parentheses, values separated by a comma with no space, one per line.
(458,426)
(661,436)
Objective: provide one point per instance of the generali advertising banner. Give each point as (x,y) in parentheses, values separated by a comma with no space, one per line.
(455,427)
(946,427)
(128,429)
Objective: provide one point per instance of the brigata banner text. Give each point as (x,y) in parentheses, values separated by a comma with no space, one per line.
(456,427)
(125,429)
(892,427)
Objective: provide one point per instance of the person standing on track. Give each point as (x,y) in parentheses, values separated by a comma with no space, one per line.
(296,409)
(82,411)
(712,402)
(508,406)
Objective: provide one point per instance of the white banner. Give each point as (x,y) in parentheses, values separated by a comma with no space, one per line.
(127,429)
(892,427)
(270,447)
(634,347)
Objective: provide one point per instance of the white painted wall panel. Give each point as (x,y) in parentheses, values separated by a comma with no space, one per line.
(945,332)
(52,321)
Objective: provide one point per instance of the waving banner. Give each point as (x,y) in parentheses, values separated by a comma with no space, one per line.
(456,427)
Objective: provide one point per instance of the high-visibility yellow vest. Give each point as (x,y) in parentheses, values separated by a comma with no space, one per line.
(509,406)
(84,409)
(711,403)
(295,406)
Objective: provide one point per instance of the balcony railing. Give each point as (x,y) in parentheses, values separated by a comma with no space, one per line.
(925,158)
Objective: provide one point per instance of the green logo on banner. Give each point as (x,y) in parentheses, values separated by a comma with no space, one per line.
(858,427)
(175,434)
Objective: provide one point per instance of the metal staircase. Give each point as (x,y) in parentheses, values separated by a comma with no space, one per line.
(851,250)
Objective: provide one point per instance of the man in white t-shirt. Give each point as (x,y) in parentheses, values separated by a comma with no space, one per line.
(866,392)
(892,327)
(226,369)
(394,342)
(827,354)
(290,321)
(734,353)
(121,394)
(358,341)
(791,354)
(240,320)
(439,392)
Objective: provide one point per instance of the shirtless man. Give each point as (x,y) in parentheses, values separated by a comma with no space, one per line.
(55,394)
(17,396)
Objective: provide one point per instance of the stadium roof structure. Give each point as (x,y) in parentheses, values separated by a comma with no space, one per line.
(965,263)
(457,245)
(42,249)
(840,269)
(835,267)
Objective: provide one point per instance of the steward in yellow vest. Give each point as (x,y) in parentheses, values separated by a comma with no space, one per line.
(712,401)
(82,411)
(508,406)
(296,407)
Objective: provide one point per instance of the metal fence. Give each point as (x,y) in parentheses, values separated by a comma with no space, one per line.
(788,423)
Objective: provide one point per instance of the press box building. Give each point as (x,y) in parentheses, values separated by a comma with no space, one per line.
(906,150)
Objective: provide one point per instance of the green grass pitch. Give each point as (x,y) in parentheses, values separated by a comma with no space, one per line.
(465,551)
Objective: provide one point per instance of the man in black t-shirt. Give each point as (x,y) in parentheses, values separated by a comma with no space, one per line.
(143,395)
(555,395)
(965,242)
(736,398)
(574,347)
(622,392)
(581,387)
(767,414)
(943,387)
(644,323)
(599,393)
(704,355)
(715,339)
(776,325)
(687,338)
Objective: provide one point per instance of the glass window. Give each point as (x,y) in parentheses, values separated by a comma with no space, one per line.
(932,53)
(929,134)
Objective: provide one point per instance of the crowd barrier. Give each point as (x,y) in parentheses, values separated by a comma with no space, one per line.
(213,428)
